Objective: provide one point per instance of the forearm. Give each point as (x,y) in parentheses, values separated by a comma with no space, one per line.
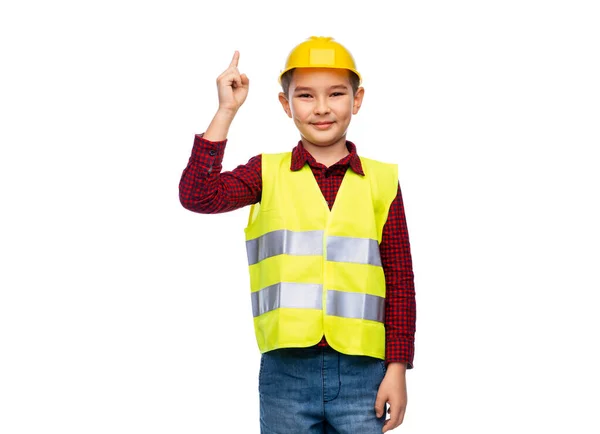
(219,127)
(400,329)
(204,189)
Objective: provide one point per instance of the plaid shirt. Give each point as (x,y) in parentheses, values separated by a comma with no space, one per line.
(205,189)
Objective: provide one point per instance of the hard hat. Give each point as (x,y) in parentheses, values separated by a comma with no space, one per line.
(320,52)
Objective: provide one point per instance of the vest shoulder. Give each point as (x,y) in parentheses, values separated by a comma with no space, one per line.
(373,162)
(276,156)
(272,164)
(379,167)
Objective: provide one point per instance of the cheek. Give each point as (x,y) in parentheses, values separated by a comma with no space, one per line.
(300,111)
(343,111)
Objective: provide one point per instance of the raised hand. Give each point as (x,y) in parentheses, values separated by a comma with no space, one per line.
(232,86)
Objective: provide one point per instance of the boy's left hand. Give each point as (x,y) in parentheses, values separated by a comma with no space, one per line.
(393,391)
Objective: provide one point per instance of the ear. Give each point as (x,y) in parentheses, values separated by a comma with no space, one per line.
(358,98)
(285,104)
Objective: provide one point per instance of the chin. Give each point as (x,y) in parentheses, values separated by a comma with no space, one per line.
(322,142)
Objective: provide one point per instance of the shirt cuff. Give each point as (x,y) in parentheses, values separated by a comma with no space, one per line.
(207,151)
(401,351)
(408,364)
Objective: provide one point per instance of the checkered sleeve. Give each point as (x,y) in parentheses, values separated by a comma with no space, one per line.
(400,305)
(205,189)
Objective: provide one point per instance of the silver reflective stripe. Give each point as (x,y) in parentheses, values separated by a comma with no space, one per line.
(355,305)
(358,250)
(284,242)
(286,294)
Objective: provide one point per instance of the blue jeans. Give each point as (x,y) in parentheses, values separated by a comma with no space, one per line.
(318,390)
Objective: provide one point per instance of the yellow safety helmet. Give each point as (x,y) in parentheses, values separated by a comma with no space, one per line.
(320,52)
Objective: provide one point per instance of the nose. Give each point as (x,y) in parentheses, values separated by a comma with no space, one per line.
(321,106)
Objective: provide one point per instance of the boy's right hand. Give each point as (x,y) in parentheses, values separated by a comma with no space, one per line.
(232,86)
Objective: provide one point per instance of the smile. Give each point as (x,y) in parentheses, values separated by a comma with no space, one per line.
(322,125)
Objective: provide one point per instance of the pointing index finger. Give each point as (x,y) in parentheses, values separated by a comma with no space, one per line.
(236,58)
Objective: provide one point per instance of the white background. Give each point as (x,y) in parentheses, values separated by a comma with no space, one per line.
(122,312)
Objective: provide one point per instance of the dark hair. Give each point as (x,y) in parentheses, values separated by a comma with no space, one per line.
(286,79)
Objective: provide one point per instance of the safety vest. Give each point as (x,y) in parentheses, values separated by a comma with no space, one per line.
(316,272)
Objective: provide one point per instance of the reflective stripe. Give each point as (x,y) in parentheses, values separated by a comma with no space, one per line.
(284,242)
(358,250)
(355,305)
(287,294)
(339,249)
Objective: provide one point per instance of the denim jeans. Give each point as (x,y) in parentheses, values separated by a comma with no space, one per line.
(319,390)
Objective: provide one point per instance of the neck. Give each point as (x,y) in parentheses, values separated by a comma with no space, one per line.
(327,155)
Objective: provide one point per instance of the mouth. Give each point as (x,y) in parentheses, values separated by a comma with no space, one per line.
(322,125)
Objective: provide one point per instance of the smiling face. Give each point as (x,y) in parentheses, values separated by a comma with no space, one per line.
(321,103)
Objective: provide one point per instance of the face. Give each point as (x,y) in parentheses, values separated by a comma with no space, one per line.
(321,103)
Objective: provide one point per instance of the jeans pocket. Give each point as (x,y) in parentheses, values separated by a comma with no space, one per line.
(383,366)
(260,370)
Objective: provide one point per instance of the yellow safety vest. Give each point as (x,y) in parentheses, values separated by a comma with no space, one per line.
(316,272)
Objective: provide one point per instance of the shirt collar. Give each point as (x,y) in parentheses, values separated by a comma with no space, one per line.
(300,156)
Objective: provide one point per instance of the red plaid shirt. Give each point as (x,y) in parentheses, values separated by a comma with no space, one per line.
(205,189)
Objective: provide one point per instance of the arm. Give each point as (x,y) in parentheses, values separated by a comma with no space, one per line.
(400,314)
(400,305)
(203,188)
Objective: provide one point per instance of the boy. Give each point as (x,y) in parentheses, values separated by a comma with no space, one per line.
(330,266)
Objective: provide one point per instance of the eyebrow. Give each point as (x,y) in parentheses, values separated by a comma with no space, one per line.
(305,88)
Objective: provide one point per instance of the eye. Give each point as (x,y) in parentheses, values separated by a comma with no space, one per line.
(337,93)
(304,95)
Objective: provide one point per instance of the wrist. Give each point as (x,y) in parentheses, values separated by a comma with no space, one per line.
(219,126)
(226,113)
(399,367)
